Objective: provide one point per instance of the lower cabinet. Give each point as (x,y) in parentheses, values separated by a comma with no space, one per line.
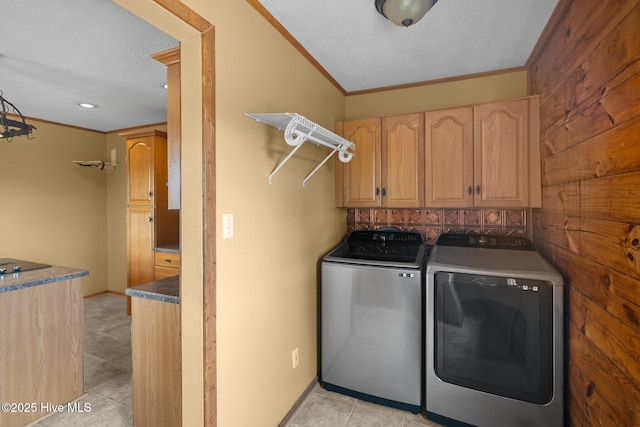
(166,264)
(41,348)
(157,363)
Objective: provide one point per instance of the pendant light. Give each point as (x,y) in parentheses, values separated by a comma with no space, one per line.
(404,12)
(10,128)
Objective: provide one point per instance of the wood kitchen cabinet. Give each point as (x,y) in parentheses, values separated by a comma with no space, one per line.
(41,343)
(150,223)
(166,264)
(449,157)
(140,244)
(358,180)
(171,58)
(156,358)
(484,155)
(387,169)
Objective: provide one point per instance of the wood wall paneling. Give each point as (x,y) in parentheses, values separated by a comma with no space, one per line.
(616,103)
(587,70)
(612,152)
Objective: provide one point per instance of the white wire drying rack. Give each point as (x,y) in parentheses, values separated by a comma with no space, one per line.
(298,129)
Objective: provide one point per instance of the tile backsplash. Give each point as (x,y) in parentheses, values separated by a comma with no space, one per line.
(430,223)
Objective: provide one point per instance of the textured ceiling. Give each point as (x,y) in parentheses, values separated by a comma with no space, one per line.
(56,54)
(363,50)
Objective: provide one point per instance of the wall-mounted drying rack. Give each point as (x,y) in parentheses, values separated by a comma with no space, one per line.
(100,164)
(298,129)
(95,163)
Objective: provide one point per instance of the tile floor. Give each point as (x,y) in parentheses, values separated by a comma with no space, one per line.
(107,367)
(107,383)
(323,408)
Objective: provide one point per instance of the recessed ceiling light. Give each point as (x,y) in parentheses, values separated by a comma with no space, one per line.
(165,85)
(87,105)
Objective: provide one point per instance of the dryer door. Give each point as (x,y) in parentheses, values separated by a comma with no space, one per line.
(494,334)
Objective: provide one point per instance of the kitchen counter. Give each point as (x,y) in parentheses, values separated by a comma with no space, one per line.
(171,249)
(26,279)
(41,342)
(165,290)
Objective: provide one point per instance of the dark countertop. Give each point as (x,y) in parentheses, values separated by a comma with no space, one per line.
(165,290)
(26,279)
(172,249)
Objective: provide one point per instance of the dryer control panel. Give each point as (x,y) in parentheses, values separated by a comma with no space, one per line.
(486,241)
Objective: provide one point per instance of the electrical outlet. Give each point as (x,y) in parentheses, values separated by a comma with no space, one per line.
(227,226)
(294,358)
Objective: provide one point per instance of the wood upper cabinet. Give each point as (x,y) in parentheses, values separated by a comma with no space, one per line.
(501,172)
(387,169)
(146,167)
(449,157)
(171,58)
(402,159)
(484,155)
(360,178)
(140,171)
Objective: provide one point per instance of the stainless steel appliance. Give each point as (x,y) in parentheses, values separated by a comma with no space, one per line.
(494,334)
(371,318)
(11,265)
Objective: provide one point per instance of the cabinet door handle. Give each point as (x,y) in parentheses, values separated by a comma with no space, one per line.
(384,191)
(150,219)
(477,189)
(470,190)
(377,191)
(150,193)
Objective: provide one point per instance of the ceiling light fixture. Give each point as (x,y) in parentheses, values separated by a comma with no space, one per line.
(404,12)
(9,127)
(87,105)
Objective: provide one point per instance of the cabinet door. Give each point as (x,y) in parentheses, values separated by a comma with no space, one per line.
(140,242)
(140,162)
(500,154)
(403,161)
(361,176)
(173,134)
(449,157)
(156,361)
(171,58)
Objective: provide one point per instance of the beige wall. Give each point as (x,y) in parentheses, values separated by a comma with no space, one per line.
(54,211)
(438,95)
(267,282)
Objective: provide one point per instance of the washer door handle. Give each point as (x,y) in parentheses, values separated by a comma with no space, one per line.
(405,274)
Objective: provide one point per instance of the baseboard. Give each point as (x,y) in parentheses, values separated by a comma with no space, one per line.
(301,400)
(116,294)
